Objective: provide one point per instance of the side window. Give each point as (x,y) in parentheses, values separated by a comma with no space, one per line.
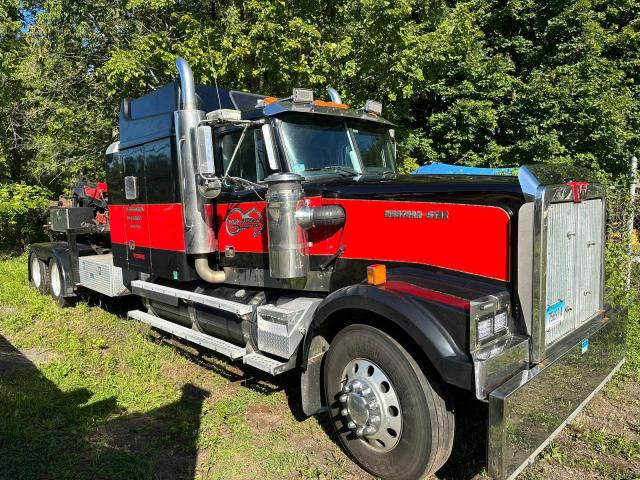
(250,161)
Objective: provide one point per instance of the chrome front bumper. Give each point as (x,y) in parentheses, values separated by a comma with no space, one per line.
(530,409)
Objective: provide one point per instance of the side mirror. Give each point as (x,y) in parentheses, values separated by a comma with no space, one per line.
(209,185)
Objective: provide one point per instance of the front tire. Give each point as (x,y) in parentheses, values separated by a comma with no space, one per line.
(56,284)
(391,419)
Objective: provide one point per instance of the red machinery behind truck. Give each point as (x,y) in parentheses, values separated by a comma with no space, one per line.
(277,232)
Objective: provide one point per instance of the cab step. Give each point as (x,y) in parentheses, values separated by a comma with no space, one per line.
(212,343)
(267,364)
(169,294)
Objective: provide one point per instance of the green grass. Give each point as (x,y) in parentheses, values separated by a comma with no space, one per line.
(632,366)
(108,401)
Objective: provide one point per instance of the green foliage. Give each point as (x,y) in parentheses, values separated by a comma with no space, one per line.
(474,82)
(23,210)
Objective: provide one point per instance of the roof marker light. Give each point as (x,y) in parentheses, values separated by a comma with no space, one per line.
(322,103)
(302,95)
(223,115)
(371,106)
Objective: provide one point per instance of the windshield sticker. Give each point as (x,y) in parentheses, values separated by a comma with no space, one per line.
(298,168)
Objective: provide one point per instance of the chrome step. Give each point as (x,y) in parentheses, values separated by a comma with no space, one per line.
(139,287)
(212,343)
(267,364)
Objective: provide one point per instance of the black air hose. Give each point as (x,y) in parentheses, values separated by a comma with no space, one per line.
(324,216)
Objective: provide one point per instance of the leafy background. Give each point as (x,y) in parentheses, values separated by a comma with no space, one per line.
(481,82)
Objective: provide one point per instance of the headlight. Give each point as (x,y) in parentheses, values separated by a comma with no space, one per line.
(484,329)
(490,317)
(500,322)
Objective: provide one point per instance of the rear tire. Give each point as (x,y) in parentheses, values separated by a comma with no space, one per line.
(391,418)
(56,284)
(38,274)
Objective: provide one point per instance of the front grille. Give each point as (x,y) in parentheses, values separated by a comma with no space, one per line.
(574,237)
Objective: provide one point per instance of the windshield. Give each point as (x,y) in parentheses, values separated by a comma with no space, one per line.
(324,145)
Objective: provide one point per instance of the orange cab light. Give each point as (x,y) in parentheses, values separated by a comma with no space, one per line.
(376,274)
(322,103)
(268,100)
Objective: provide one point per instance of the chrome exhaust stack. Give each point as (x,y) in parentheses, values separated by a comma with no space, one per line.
(187,85)
(199,235)
(334,95)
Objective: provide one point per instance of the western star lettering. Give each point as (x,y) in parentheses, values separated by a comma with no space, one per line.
(417,214)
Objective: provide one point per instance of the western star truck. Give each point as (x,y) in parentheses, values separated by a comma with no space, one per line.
(277,232)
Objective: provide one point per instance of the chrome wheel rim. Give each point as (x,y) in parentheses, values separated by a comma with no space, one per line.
(36,274)
(56,283)
(370,405)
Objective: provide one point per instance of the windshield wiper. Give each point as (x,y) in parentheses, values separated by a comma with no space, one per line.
(350,172)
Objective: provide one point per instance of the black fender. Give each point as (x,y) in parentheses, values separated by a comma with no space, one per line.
(65,258)
(410,316)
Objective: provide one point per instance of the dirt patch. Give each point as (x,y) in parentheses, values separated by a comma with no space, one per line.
(586,449)
(14,360)
(8,310)
(618,412)
(40,357)
(263,419)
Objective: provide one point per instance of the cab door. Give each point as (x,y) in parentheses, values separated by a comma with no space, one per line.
(136,221)
(241,209)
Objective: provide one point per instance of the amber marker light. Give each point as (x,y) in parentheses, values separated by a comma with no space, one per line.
(322,103)
(376,274)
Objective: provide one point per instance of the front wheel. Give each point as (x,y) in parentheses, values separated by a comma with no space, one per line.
(393,420)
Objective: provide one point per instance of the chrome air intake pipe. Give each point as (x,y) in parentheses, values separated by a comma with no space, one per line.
(199,236)
(288,255)
(288,220)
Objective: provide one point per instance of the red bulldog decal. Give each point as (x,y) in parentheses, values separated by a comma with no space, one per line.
(237,221)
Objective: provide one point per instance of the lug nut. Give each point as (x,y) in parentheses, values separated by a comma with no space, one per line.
(366,391)
(372,405)
(360,431)
(370,430)
(351,425)
(346,389)
(374,419)
(357,386)
(344,412)
(343,398)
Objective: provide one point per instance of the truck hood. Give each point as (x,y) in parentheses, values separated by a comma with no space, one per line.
(511,191)
(441,188)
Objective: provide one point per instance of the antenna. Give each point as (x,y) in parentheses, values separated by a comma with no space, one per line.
(215,75)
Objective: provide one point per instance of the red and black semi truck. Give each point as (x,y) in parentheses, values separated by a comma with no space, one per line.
(278,233)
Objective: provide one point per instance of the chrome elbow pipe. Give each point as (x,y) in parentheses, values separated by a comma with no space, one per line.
(206,273)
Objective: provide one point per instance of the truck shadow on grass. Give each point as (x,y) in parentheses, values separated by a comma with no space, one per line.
(46,433)
(467,460)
